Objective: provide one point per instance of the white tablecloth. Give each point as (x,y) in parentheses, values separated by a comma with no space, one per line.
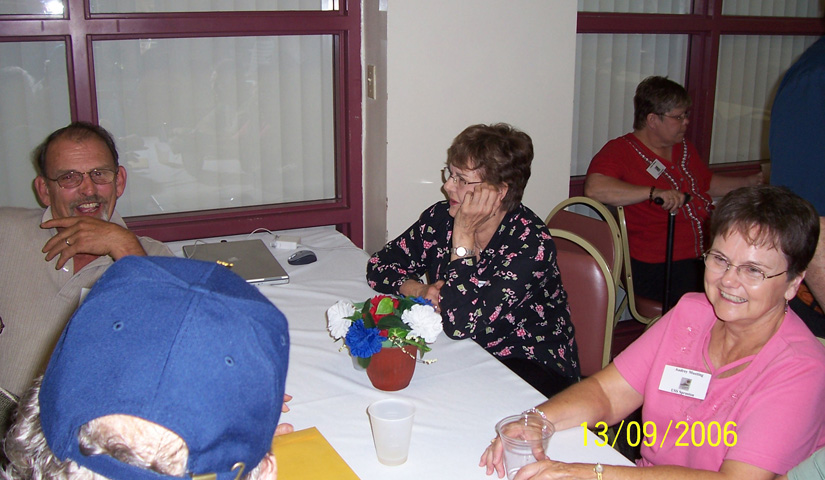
(458,399)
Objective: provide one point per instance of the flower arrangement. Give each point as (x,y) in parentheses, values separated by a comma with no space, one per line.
(384,321)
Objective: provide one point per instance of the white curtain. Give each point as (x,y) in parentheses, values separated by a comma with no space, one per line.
(31,7)
(158,6)
(749,72)
(208,123)
(767,8)
(608,69)
(635,6)
(774,8)
(34,100)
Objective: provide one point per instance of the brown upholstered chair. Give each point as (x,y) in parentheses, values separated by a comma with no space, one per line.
(602,232)
(591,295)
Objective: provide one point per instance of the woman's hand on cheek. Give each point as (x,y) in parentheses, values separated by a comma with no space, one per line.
(478,206)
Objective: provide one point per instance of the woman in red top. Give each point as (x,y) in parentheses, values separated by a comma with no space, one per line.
(655,161)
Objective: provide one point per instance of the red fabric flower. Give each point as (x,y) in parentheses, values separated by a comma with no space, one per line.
(374,301)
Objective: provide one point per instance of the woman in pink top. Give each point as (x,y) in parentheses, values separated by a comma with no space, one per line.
(732,380)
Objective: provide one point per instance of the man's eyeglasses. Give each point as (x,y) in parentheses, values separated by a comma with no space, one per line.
(447,174)
(100,176)
(748,274)
(679,118)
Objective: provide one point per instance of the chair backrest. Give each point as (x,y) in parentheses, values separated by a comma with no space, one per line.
(602,233)
(642,309)
(591,296)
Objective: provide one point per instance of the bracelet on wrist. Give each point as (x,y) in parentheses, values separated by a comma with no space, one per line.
(598,470)
(536,411)
(650,195)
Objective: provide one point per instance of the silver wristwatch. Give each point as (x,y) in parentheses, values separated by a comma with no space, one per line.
(463,252)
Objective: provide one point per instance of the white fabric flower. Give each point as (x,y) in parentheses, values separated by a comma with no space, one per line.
(337,321)
(423,321)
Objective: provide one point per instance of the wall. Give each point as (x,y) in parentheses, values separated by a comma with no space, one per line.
(374,52)
(453,63)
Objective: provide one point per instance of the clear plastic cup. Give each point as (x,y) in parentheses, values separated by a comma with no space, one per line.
(391,420)
(525,439)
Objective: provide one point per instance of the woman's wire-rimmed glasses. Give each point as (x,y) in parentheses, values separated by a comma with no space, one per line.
(749,274)
(447,174)
(100,176)
(679,118)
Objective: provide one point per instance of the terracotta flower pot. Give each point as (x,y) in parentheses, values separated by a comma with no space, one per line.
(392,368)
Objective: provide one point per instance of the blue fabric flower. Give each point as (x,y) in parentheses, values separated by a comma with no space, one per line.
(363,342)
(422,301)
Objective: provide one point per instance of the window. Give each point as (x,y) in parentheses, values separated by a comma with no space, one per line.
(731,63)
(233,115)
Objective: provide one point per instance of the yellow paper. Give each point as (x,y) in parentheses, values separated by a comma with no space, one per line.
(307,455)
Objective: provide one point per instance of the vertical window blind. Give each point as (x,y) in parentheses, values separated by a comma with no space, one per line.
(219,122)
(749,72)
(608,69)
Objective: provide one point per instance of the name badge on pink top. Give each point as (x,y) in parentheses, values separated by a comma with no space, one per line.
(685,382)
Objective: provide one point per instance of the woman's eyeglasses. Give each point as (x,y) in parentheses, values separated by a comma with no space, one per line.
(679,118)
(748,274)
(100,176)
(447,174)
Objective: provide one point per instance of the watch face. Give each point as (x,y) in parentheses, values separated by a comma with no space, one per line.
(463,252)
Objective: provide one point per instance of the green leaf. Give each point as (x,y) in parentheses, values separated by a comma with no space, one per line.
(391,321)
(368,321)
(396,332)
(418,342)
(363,362)
(405,303)
(385,306)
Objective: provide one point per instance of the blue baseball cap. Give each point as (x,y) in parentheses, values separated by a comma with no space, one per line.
(185,344)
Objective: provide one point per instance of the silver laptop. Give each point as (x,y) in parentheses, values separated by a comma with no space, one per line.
(250,259)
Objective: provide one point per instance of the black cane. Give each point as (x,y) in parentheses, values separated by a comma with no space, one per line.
(671,225)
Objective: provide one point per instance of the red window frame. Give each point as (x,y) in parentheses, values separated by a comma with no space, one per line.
(705,26)
(79,28)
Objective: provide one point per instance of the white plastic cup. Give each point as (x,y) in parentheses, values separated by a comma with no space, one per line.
(525,439)
(391,420)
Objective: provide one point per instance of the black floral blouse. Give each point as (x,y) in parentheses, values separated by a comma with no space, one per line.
(511,301)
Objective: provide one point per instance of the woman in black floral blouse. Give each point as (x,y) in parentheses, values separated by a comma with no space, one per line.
(490,260)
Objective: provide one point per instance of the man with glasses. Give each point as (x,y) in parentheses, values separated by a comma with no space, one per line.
(652,172)
(50,257)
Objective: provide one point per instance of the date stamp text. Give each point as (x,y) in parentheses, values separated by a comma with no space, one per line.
(697,434)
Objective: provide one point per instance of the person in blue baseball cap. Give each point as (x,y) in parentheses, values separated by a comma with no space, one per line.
(170,368)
